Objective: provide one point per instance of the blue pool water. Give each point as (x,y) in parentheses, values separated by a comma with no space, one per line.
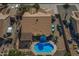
(43,47)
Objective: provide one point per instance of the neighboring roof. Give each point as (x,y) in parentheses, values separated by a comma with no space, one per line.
(3,16)
(12,12)
(26,36)
(75,15)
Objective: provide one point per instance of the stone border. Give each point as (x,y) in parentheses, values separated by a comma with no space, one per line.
(52,53)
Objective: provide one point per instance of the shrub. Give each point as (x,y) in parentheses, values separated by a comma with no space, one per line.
(67,54)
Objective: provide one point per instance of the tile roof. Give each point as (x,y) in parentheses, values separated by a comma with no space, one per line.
(3,16)
(26,36)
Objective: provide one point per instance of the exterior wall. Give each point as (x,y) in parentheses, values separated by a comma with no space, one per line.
(31,25)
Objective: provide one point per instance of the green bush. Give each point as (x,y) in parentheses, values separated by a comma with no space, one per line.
(67,54)
(14,52)
(37,6)
(26,8)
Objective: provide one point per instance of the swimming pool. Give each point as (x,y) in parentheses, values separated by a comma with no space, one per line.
(45,48)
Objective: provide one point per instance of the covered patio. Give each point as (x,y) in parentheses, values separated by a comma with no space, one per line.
(25,41)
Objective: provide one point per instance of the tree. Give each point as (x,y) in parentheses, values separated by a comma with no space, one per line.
(22,7)
(36,37)
(52,19)
(66,7)
(67,54)
(37,6)
(15,52)
(5,5)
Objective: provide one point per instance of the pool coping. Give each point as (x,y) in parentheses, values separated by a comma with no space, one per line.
(52,53)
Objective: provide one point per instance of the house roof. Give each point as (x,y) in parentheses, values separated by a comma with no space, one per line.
(75,15)
(26,36)
(38,23)
(12,12)
(41,27)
